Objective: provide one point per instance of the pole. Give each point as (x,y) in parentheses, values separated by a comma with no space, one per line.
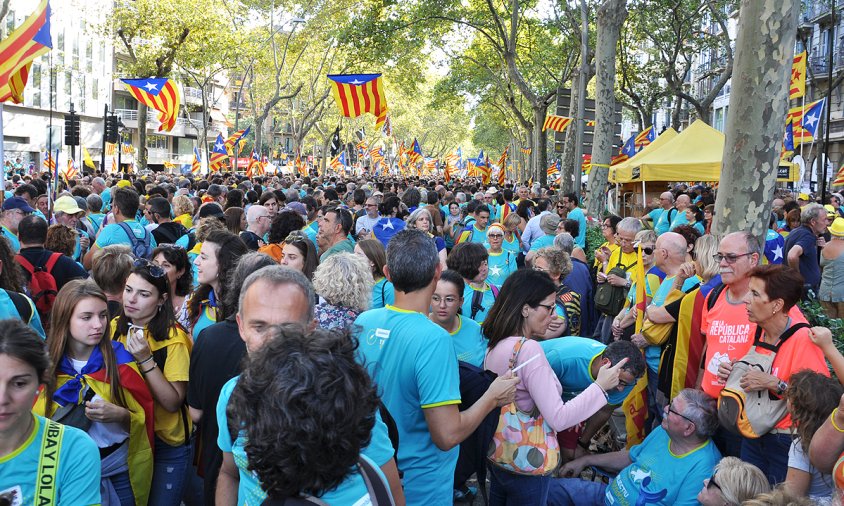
(2,156)
(105,120)
(581,97)
(827,104)
(119,148)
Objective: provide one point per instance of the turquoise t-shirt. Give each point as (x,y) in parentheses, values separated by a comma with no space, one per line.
(571,359)
(577,214)
(542,242)
(655,215)
(8,310)
(501,265)
(472,234)
(207,317)
(114,234)
(77,476)
(679,219)
(486,302)
(106,196)
(96,220)
(12,238)
(249,491)
(677,478)
(512,245)
(699,227)
(652,353)
(383,293)
(664,223)
(412,361)
(311,230)
(469,342)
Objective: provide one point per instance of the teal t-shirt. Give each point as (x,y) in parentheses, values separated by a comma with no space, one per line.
(512,245)
(487,301)
(501,265)
(699,227)
(469,342)
(655,214)
(679,219)
(383,293)
(675,477)
(106,196)
(114,234)
(577,214)
(96,221)
(542,242)
(77,476)
(207,317)
(571,358)
(12,238)
(8,310)
(664,223)
(350,491)
(412,361)
(652,353)
(311,230)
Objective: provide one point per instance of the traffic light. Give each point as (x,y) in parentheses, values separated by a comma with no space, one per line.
(112,132)
(71,129)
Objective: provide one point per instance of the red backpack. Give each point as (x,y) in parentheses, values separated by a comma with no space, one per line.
(42,286)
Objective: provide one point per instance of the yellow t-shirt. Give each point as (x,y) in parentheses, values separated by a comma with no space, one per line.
(169,427)
(613,248)
(627,259)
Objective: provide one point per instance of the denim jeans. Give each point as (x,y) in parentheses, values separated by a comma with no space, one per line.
(603,330)
(656,404)
(508,489)
(169,472)
(769,453)
(728,443)
(123,487)
(576,492)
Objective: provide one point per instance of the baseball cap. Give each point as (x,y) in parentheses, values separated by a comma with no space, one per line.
(18,203)
(803,196)
(296,207)
(123,184)
(211,210)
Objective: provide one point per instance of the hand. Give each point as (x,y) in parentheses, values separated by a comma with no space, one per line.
(601,277)
(608,375)
(602,254)
(137,345)
(724,370)
(572,469)
(754,381)
(616,280)
(503,389)
(555,324)
(84,241)
(686,271)
(616,328)
(821,242)
(105,412)
(639,340)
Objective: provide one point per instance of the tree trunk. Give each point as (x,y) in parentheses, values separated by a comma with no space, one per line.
(141,152)
(675,113)
(611,16)
(583,77)
(758,102)
(259,131)
(540,144)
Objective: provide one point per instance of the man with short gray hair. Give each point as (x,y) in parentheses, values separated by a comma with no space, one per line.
(802,244)
(660,470)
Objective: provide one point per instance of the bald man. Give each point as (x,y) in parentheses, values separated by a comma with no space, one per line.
(662,214)
(257,225)
(683,202)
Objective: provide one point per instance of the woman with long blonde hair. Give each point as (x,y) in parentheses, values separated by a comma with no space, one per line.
(96,387)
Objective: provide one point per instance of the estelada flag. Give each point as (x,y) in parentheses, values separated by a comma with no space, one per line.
(17,51)
(839,178)
(357,94)
(797,83)
(218,155)
(795,117)
(196,166)
(138,401)
(556,123)
(680,362)
(644,138)
(161,94)
(236,138)
(415,152)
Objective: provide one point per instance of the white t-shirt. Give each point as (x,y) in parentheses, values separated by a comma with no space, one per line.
(105,434)
(820,488)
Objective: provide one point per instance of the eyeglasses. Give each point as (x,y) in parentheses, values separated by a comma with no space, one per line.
(436,299)
(495,235)
(548,307)
(606,225)
(154,270)
(731,259)
(713,483)
(624,239)
(684,417)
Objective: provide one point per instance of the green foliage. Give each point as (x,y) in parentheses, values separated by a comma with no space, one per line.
(816,316)
(594,239)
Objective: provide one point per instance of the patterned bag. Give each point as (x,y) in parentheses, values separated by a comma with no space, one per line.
(523,442)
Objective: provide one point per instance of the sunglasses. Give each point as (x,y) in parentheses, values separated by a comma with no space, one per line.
(495,235)
(154,270)
(648,251)
(168,246)
(731,259)
(713,483)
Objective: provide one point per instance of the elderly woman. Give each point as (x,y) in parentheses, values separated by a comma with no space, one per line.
(183,210)
(502,262)
(557,265)
(344,284)
(420,219)
(774,290)
(733,482)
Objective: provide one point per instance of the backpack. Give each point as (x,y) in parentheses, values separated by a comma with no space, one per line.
(474,382)
(753,414)
(376,486)
(42,285)
(478,297)
(609,299)
(141,248)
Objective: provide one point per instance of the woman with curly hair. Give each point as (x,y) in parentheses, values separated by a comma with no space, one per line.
(344,283)
(217,258)
(183,210)
(811,396)
(421,219)
(315,396)
(61,239)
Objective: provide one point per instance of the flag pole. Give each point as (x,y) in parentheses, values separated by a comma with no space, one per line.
(2,157)
(828,111)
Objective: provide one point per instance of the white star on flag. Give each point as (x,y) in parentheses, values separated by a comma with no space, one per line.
(811,120)
(356,82)
(387,224)
(219,146)
(150,86)
(777,253)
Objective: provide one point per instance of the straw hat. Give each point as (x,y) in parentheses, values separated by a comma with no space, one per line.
(837,227)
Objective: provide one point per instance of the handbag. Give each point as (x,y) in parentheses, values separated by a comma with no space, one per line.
(610,299)
(73,414)
(524,443)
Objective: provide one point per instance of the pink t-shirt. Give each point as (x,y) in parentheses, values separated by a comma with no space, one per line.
(540,387)
(729,335)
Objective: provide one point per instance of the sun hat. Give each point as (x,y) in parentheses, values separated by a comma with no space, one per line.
(837,227)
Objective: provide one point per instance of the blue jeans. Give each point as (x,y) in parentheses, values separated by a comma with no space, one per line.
(508,489)
(123,487)
(576,492)
(728,443)
(656,406)
(168,474)
(769,453)
(603,330)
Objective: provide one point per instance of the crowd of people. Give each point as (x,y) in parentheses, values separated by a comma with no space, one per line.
(226,340)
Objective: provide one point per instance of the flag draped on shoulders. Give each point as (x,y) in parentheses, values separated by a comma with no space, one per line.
(635,405)
(161,94)
(357,94)
(70,388)
(17,51)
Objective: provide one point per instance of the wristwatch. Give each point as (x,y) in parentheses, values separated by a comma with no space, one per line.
(782,386)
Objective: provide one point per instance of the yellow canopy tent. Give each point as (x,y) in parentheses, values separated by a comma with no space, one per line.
(621,173)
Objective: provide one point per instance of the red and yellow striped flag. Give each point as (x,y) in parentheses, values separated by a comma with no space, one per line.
(839,178)
(556,123)
(795,115)
(17,51)
(797,83)
(161,94)
(357,94)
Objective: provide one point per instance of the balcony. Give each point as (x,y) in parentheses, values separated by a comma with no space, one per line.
(816,11)
(193,95)
(183,126)
(818,62)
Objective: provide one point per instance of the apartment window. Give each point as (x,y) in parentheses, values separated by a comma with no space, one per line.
(156,142)
(76,52)
(89,56)
(95,88)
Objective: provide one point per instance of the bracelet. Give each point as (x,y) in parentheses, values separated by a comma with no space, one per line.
(832,420)
(144,361)
(154,365)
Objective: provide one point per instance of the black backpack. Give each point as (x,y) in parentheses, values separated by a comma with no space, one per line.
(472,459)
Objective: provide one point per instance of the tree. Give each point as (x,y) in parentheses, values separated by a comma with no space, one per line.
(758,103)
(611,15)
